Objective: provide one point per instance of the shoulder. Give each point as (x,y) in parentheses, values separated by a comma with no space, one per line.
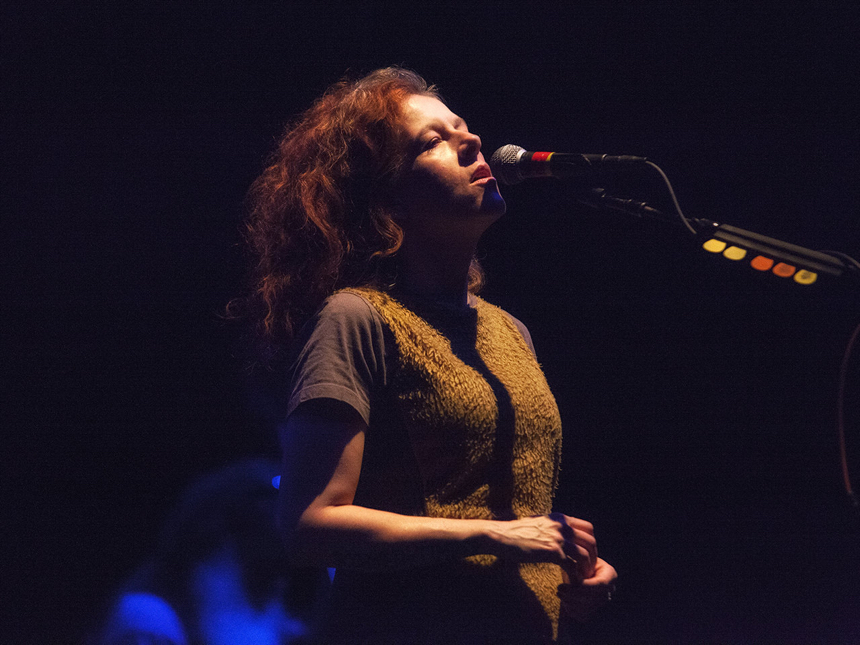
(520,326)
(340,354)
(344,314)
(348,305)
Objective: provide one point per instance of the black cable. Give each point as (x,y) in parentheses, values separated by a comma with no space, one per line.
(678,210)
(840,418)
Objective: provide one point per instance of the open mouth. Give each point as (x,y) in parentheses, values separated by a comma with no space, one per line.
(483,172)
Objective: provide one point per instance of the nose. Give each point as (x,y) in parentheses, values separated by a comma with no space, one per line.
(470,146)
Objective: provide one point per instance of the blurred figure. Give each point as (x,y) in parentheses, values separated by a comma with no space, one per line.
(219,575)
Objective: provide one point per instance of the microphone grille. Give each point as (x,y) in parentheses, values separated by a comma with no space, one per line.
(504,165)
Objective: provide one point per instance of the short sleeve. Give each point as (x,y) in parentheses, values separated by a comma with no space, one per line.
(341,356)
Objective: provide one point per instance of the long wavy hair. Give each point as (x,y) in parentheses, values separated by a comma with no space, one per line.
(320,215)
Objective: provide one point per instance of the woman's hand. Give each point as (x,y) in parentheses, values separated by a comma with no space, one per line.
(531,539)
(579,600)
(568,541)
(564,540)
(580,547)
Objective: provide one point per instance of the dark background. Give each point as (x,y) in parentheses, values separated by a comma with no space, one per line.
(699,396)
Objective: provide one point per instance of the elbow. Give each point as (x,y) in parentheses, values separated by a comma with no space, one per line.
(299,550)
(290,532)
(303,540)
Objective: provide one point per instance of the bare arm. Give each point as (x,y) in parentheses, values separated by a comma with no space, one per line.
(323,451)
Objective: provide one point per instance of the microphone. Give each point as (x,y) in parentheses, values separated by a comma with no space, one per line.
(511,164)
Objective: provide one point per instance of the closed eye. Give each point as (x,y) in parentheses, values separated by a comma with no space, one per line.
(432,143)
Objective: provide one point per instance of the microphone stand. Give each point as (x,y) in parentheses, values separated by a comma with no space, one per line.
(765,254)
(785,260)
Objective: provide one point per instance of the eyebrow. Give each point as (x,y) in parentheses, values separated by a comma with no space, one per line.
(458,122)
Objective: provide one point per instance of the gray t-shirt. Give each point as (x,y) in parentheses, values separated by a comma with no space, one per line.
(346,349)
(349,354)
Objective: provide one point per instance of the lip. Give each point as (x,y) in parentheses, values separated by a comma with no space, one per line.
(482,172)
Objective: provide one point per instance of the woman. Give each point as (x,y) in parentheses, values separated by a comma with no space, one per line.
(421,446)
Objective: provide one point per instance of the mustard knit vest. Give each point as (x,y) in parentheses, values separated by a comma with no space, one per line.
(478,455)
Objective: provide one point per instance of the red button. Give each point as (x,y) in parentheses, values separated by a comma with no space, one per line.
(761,263)
(784,270)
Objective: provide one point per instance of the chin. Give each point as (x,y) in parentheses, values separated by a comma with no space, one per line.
(494,203)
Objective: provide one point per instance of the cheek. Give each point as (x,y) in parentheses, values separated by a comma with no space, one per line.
(427,185)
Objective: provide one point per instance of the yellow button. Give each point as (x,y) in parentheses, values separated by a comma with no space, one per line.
(714,246)
(735,253)
(805,277)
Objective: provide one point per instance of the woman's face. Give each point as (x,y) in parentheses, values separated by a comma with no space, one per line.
(446,177)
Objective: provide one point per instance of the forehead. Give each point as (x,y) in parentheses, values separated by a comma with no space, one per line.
(424,112)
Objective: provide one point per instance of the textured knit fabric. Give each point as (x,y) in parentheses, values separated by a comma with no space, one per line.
(464,426)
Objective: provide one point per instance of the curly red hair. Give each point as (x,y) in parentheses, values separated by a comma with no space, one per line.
(319,215)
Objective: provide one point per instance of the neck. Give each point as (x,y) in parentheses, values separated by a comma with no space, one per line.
(436,269)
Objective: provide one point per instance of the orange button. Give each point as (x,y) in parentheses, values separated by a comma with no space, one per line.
(761,263)
(784,270)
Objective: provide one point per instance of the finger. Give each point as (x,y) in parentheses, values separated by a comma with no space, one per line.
(577,567)
(572,570)
(585,565)
(578,524)
(588,561)
(580,532)
(605,575)
(567,531)
(586,541)
(585,559)
(578,553)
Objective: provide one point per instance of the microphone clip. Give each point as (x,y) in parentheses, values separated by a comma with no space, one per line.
(598,198)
